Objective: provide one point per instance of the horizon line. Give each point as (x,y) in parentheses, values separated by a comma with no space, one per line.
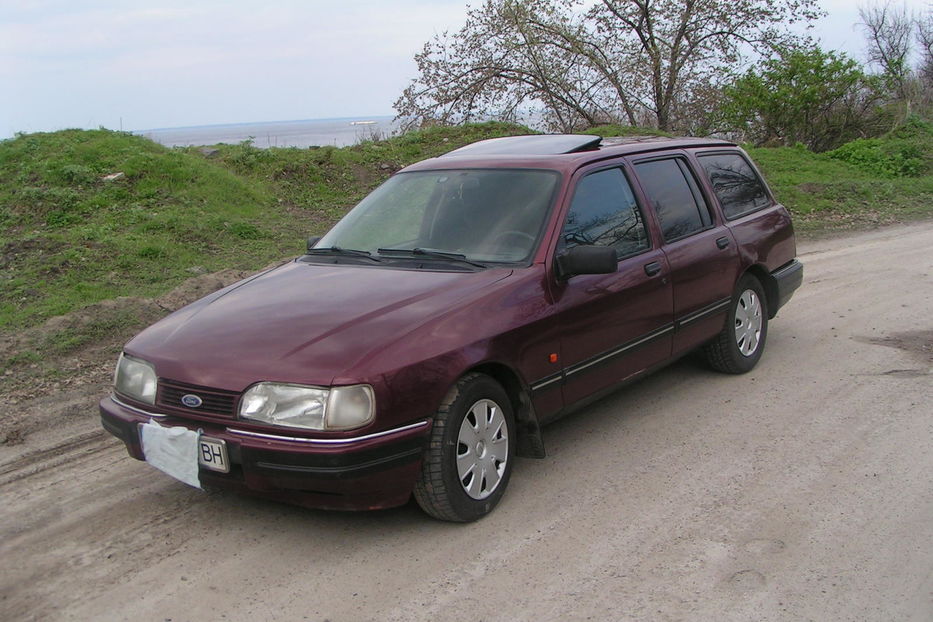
(189,127)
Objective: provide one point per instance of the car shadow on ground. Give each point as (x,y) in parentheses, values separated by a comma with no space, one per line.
(568,437)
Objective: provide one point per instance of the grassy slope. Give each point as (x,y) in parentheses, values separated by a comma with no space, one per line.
(826,194)
(323,182)
(865,182)
(68,238)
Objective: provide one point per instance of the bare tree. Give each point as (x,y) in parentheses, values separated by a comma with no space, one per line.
(686,45)
(633,61)
(924,27)
(510,55)
(889,31)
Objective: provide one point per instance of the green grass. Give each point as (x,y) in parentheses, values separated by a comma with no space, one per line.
(865,182)
(321,182)
(906,151)
(826,194)
(70,238)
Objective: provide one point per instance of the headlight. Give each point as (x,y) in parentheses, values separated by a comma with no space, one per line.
(135,379)
(297,406)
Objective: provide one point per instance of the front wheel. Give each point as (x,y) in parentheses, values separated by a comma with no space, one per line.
(468,462)
(738,347)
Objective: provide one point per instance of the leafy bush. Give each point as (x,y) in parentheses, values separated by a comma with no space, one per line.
(821,99)
(78,174)
(875,156)
(151,252)
(245,231)
(246,157)
(904,152)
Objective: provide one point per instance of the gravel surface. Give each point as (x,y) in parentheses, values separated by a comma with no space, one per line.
(800,491)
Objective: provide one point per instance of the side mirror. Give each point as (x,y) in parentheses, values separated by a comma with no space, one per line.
(587,259)
(312,241)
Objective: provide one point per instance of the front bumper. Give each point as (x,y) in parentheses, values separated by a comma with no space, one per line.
(366,472)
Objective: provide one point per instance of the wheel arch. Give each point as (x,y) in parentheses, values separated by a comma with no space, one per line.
(769,284)
(529,442)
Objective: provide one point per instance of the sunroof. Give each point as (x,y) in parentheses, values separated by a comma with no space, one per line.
(538,144)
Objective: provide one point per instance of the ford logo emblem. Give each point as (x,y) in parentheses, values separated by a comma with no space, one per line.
(191,401)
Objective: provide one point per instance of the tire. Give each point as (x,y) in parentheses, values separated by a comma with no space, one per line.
(476,423)
(738,347)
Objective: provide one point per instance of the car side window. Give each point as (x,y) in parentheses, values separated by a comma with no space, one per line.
(675,197)
(604,213)
(735,183)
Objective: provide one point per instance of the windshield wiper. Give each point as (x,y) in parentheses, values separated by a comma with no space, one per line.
(337,250)
(433,254)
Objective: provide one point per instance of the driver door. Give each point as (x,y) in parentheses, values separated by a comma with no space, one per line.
(612,325)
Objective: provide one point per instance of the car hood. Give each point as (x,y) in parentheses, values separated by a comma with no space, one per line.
(302,322)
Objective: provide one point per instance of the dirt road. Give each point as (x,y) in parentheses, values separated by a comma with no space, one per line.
(801,491)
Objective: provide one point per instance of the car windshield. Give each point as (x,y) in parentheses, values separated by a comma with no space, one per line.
(486,216)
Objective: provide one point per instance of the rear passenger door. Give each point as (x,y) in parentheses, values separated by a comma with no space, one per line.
(698,247)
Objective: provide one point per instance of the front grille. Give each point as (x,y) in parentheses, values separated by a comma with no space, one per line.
(213,401)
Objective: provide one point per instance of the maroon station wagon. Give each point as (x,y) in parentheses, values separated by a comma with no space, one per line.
(420,345)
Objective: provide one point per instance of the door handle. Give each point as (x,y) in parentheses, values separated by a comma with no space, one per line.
(652,268)
(722,242)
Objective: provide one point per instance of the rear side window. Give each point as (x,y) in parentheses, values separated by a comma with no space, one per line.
(604,213)
(675,197)
(735,183)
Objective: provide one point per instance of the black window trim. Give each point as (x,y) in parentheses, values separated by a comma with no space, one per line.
(684,160)
(735,152)
(603,166)
(694,185)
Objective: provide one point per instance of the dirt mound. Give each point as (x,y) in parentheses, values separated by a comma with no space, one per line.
(199,287)
(12,252)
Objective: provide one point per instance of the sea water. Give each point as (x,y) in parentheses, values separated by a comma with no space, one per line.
(304,133)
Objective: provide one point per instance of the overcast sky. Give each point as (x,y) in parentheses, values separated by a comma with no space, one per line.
(170,63)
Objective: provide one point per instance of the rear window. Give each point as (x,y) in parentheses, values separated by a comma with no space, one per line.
(735,183)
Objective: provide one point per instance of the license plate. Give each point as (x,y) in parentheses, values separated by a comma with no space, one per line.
(212,454)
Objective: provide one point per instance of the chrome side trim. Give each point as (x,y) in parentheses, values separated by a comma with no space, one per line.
(135,409)
(599,359)
(330,441)
(716,307)
(543,383)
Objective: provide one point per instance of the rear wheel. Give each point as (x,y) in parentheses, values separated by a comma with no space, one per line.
(468,462)
(739,346)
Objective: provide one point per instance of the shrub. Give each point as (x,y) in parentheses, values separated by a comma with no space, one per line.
(906,151)
(78,174)
(820,99)
(245,231)
(874,156)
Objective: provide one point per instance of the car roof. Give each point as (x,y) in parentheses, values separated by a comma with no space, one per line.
(555,151)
